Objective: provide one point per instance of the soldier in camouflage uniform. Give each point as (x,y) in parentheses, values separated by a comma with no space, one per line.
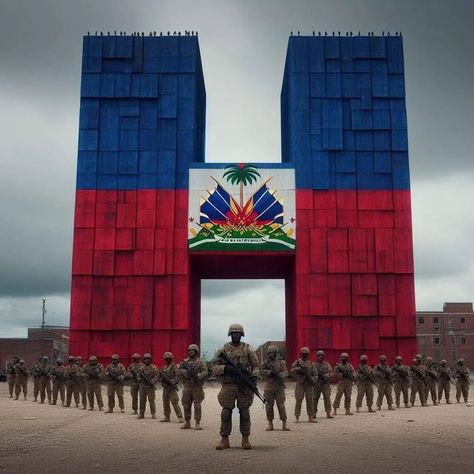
(323,386)
(432,380)
(11,375)
(306,375)
(401,381)
(346,377)
(193,372)
(58,376)
(148,376)
(383,375)
(35,372)
(115,376)
(273,372)
(72,382)
(418,375)
(82,385)
(169,382)
(93,372)
(461,372)
(365,384)
(232,388)
(444,385)
(44,380)
(132,375)
(21,379)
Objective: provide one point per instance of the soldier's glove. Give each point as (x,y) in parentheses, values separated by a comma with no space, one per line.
(229,370)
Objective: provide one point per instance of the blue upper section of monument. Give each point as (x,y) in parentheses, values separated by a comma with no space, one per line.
(343,112)
(142,116)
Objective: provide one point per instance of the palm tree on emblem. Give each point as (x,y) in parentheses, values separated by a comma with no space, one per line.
(241,174)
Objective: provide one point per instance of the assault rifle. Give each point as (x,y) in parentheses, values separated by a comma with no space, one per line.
(243,376)
(307,374)
(274,372)
(386,374)
(147,380)
(401,372)
(22,369)
(168,380)
(192,372)
(418,372)
(346,373)
(433,375)
(115,378)
(42,372)
(366,375)
(464,375)
(58,375)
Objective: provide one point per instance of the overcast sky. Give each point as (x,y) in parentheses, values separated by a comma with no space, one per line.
(243,46)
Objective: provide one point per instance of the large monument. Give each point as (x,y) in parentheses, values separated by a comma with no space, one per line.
(333,218)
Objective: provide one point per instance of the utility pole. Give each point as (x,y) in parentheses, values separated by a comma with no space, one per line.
(42,327)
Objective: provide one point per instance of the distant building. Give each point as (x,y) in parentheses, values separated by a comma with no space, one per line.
(447,334)
(262,349)
(52,342)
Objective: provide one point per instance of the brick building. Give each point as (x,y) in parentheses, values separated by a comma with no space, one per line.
(52,342)
(447,334)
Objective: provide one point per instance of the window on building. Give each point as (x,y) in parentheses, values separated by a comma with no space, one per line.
(453,339)
(453,355)
(463,320)
(435,320)
(436,341)
(463,340)
(421,320)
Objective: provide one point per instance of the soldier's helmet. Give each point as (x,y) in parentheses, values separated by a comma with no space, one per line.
(363,357)
(344,355)
(272,349)
(146,356)
(167,355)
(304,350)
(235,327)
(429,359)
(415,360)
(45,358)
(443,362)
(398,358)
(461,360)
(16,358)
(136,355)
(21,361)
(193,347)
(59,361)
(419,357)
(383,358)
(115,357)
(320,353)
(93,358)
(71,358)
(78,357)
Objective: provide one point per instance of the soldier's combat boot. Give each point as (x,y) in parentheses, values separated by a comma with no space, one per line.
(328,415)
(448,402)
(198,426)
(285,426)
(297,418)
(140,416)
(134,412)
(379,408)
(246,443)
(109,411)
(16,398)
(334,412)
(312,420)
(348,412)
(24,399)
(153,416)
(91,408)
(77,405)
(371,410)
(180,419)
(424,404)
(186,425)
(101,408)
(269,426)
(390,407)
(166,419)
(357,410)
(223,443)
(398,405)
(122,410)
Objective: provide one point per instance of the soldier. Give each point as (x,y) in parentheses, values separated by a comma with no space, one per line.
(383,376)
(71,371)
(444,385)
(148,376)
(58,375)
(193,372)
(236,367)
(44,380)
(432,380)
(417,372)
(323,385)
(306,375)
(35,372)
(82,386)
(345,374)
(365,384)
(462,384)
(273,372)
(169,382)
(11,375)
(21,379)
(401,381)
(115,375)
(93,372)
(133,371)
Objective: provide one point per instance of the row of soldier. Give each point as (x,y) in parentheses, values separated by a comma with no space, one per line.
(236,367)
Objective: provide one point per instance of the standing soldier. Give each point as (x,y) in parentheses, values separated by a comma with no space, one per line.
(148,376)
(306,375)
(58,375)
(35,372)
(383,376)
(44,380)
(417,372)
(193,372)
(323,385)
(72,382)
(462,384)
(169,382)
(93,373)
(236,367)
(401,381)
(345,374)
(365,384)
(133,372)
(273,372)
(115,375)
(81,382)
(444,385)
(432,380)
(21,379)
(11,375)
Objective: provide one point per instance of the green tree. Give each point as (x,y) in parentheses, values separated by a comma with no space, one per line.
(241,174)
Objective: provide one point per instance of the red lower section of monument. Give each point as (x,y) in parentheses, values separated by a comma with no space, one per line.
(349,286)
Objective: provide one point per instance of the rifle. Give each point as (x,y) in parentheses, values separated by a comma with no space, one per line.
(367,375)
(192,372)
(463,375)
(307,375)
(148,380)
(420,374)
(57,375)
(402,373)
(243,377)
(386,374)
(168,380)
(346,373)
(433,375)
(42,372)
(115,378)
(22,369)
(274,373)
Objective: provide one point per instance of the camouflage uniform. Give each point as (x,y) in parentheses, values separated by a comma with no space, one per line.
(21,379)
(82,385)
(461,372)
(44,381)
(365,385)
(418,375)
(35,371)
(346,375)
(401,381)
(58,375)
(274,390)
(444,385)
(323,387)
(169,382)
(72,382)
(304,387)
(431,381)
(93,373)
(11,376)
(133,371)
(148,376)
(115,375)
(383,376)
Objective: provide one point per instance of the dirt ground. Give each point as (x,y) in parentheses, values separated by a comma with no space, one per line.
(38,438)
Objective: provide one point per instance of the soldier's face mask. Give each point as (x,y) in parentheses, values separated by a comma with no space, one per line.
(272,355)
(168,360)
(236,337)
(115,361)
(147,361)
(304,356)
(192,353)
